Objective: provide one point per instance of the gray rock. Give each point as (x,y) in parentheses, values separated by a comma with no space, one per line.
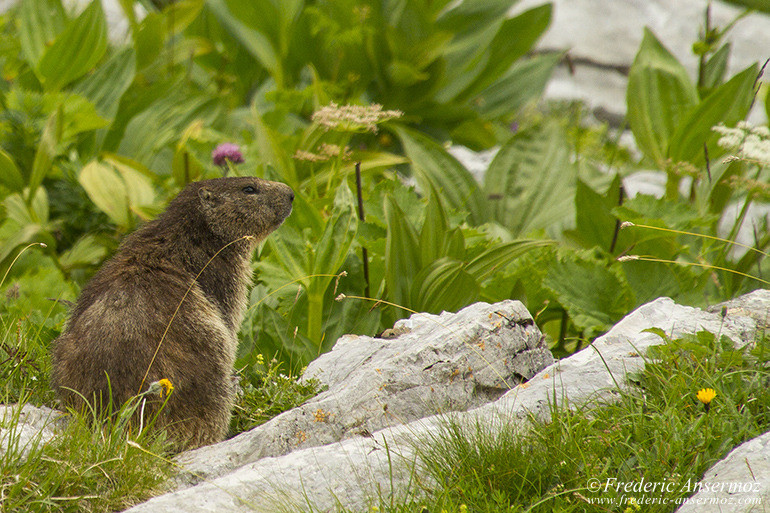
(354,472)
(603,37)
(24,427)
(435,363)
(740,483)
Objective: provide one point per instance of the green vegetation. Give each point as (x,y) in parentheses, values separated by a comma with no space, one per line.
(353,104)
(659,431)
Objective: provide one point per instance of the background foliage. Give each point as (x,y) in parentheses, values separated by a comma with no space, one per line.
(96,135)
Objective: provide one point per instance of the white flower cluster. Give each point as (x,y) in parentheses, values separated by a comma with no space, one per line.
(748,142)
(354,118)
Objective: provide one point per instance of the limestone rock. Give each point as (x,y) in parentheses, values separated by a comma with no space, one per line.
(435,363)
(354,472)
(603,37)
(24,427)
(740,483)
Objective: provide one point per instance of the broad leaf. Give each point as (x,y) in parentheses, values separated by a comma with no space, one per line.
(495,258)
(10,176)
(595,225)
(47,149)
(727,104)
(524,82)
(402,253)
(514,39)
(531,182)
(108,192)
(594,295)
(40,21)
(76,50)
(105,87)
(435,168)
(255,42)
(85,252)
(444,285)
(658,97)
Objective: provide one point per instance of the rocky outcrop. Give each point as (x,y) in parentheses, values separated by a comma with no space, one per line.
(357,470)
(24,427)
(431,364)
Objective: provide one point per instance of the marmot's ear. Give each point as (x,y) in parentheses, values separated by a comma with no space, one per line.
(207,197)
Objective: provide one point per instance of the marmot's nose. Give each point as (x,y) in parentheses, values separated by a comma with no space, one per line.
(291,195)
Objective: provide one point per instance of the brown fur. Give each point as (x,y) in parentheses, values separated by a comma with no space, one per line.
(123,312)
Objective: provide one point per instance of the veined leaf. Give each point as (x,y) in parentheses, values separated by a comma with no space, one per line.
(728,104)
(46,150)
(21,237)
(531,182)
(496,257)
(443,285)
(40,21)
(524,82)
(433,236)
(105,87)
(402,253)
(85,252)
(332,249)
(593,295)
(10,176)
(256,43)
(36,212)
(515,37)
(715,68)
(76,50)
(594,222)
(435,168)
(658,97)
(108,192)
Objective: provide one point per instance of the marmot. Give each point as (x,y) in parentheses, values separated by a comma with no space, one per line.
(126,309)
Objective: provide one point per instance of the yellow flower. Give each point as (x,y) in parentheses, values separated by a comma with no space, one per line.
(706,395)
(167,385)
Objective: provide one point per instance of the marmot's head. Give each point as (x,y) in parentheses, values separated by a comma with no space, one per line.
(239,206)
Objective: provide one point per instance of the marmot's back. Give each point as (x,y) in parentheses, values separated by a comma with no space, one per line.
(174,267)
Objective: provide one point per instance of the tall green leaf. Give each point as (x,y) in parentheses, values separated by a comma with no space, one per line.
(333,247)
(76,50)
(531,181)
(10,176)
(46,150)
(496,257)
(435,168)
(254,41)
(443,285)
(727,104)
(658,97)
(433,236)
(108,191)
(514,39)
(40,21)
(524,82)
(402,253)
(105,87)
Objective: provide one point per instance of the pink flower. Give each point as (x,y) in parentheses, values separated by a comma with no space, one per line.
(227,152)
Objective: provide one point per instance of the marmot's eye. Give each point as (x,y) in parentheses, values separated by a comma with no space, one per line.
(249,190)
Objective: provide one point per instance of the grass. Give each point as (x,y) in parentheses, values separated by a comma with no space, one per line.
(658,432)
(99,463)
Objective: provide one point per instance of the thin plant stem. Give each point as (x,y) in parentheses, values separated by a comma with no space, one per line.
(361,216)
(711,237)
(641,258)
(192,284)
